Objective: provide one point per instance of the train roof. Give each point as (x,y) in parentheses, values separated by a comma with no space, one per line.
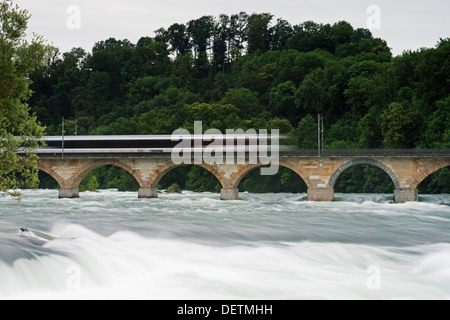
(155,137)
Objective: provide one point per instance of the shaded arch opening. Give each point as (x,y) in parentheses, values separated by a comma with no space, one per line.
(188,177)
(107,177)
(437,182)
(284,181)
(367,173)
(48,178)
(364,178)
(46,181)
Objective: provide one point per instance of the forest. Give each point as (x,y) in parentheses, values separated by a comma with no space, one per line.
(253,71)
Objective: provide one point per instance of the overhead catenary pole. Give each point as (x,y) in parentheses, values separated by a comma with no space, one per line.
(63,130)
(318,134)
(321,129)
(62,143)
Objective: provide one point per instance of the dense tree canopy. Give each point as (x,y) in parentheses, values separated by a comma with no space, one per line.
(252,71)
(19,130)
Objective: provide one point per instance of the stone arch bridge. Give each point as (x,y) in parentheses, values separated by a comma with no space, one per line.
(320,173)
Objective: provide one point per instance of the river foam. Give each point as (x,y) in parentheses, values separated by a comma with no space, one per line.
(110,245)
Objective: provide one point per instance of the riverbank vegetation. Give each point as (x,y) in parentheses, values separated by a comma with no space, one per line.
(18,58)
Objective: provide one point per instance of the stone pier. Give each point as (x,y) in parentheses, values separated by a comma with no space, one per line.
(148,193)
(320,194)
(403,195)
(229,194)
(69,193)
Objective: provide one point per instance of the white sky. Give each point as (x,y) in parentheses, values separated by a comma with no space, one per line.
(405,25)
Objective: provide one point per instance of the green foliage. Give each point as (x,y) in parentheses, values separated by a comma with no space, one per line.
(438,182)
(174,188)
(200,180)
(370,88)
(342,135)
(193,178)
(284,181)
(306,133)
(109,177)
(282,101)
(46,181)
(393,126)
(437,133)
(399,126)
(364,179)
(369,132)
(19,129)
(259,32)
(91,184)
(283,126)
(311,96)
(245,100)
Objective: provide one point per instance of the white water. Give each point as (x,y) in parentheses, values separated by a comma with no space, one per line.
(111,245)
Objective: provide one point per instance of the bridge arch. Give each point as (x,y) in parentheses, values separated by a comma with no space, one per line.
(52,174)
(82,172)
(159,173)
(354,162)
(428,171)
(244,170)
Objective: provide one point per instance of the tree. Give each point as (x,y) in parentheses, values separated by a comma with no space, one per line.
(149,58)
(113,57)
(341,134)
(201,31)
(341,33)
(217,116)
(280,35)
(259,32)
(283,125)
(306,133)
(370,132)
(311,96)
(123,126)
(178,39)
(310,35)
(19,130)
(174,188)
(433,71)
(92,184)
(221,36)
(393,126)
(245,100)
(238,31)
(437,133)
(370,88)
(282,101)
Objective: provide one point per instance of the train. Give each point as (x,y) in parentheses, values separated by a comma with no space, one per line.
(153,143)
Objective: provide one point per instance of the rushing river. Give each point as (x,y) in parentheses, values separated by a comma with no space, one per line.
(111,245)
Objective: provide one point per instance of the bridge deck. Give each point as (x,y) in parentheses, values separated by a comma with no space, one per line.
(151,152)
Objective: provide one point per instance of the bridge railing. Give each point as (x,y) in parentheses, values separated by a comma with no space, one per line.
(371,152)
(282,152)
